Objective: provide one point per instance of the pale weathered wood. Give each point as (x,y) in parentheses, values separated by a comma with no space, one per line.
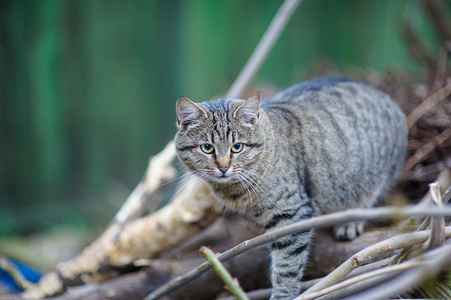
(251,268)
(190,212)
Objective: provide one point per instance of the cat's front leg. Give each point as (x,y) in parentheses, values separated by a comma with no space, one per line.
(288,258)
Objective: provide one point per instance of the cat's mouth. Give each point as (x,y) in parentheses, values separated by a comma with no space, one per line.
(223,177)
(220,177)
(216,176)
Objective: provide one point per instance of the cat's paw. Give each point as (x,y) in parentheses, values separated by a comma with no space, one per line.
(348,231)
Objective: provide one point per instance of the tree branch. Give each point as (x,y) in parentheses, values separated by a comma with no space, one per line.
(427,104)
(369,255)
(118,245)
(189,213)
(264,46)
(438,259)
(15,274)
(352,215)
(364,277)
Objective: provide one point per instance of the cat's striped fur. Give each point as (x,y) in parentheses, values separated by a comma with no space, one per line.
(318,147)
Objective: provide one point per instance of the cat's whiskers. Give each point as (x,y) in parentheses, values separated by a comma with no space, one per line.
(244,183)
(255,174)
(269,200)
(202,178)
(198,176)
(256,188)
(254,181)
(186,174)
(257,192)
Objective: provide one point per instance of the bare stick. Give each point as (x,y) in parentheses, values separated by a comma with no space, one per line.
(120,244)
(15,274)
(159,166)
(352,215)
(443,180)
(371,254)
(447,195)
(158,172)
(445,50)
(437,223)
(266,293)
(254,295)
(439,18)
(264,46)
(384,271)
(441,258)
(421,153)
(136,200)
(232,284)
(428,104)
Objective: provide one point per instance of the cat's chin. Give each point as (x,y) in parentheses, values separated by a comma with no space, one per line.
(222,179)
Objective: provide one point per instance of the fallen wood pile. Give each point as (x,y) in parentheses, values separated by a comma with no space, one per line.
(142,252)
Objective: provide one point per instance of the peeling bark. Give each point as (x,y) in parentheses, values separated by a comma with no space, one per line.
(123,242)
(251,268)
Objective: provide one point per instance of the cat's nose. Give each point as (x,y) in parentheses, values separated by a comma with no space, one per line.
(223,164)
(223,168)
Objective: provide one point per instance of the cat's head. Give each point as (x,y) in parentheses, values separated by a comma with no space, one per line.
(221,141)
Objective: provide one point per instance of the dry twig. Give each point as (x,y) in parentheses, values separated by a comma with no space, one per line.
(421,153)
(437,223)
(130,236)
(157,173)
(264,46)
(437,260)
(364,277)
(120,243)
(443,180)
(369,255)
(347,216)
(429,103)
(15,274)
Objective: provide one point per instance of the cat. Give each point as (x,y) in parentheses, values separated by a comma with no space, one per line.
(322,146)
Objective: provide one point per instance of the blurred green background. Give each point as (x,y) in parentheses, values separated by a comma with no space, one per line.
(88,88)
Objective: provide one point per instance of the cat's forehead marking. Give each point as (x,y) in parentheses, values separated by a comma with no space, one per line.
(220,111)
(221,107)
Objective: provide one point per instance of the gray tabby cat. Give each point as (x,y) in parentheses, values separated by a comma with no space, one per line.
(318,147)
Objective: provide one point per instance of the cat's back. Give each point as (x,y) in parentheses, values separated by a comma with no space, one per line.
(336,104)
(346,132)
(331,93)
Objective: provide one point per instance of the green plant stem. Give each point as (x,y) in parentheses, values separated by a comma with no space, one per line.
(232,285)
(351,215)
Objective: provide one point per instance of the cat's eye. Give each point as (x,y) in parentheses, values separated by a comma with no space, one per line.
(207,148)
(238,147)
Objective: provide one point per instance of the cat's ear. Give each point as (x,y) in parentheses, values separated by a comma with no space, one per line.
(249,109)
(188,112)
